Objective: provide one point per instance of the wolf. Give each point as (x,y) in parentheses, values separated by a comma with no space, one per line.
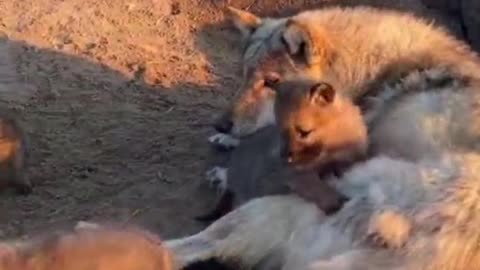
(414,209)
(402,215)
(420,103)
(256,168)
(329,45)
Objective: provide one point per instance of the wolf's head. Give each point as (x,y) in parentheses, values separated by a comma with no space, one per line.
(280,45)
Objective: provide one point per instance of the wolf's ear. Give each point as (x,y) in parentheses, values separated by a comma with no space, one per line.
(310,45)
(244,21)
(322,93)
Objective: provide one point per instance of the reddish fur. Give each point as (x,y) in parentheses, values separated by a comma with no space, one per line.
(338,139)
(92,249)
(339,132)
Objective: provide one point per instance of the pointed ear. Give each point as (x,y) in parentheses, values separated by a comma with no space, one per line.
(244,21)
(322,93)
(271,80)
(309,44)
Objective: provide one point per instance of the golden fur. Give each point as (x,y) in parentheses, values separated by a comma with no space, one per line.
(102,248)
(356,50)
(418,89)
(319,134)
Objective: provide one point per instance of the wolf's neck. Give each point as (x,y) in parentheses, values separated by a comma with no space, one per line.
(375,102)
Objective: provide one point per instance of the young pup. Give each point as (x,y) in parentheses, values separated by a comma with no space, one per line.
(89,247)
(12,157)
(322,130)
(256,169)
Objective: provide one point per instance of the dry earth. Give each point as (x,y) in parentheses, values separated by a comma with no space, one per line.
(116,98)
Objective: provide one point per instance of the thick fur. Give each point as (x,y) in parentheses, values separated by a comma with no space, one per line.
(330,45)
(12,156)
(88,247)
(423,201)
(256,168)
(426,212)
(322,129)
(250,174)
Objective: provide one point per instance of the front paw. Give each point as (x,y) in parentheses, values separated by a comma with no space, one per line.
(217,178)
(224,141)
(389,229)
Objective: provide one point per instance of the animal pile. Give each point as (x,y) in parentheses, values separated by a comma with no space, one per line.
(363,125)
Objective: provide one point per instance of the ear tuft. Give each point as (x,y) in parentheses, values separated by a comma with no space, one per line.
(293,37)
(309,43)
(322,93)
(244,21)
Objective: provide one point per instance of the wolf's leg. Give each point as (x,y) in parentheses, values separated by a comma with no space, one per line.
(389,227)
(247,234)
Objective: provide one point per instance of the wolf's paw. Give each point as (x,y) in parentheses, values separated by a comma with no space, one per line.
(217,178)
(224,141)
(389,229)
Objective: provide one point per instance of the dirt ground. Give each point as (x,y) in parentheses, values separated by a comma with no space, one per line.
(116,98)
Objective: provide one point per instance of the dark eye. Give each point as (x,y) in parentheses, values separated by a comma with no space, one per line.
(303,133)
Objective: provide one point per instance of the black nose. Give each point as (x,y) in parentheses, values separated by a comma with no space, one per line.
(224,126)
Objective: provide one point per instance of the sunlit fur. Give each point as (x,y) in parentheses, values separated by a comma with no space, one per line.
(357,50)
(422,202)
(426,213)
(103,248)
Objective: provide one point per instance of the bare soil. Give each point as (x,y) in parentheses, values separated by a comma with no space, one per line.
(116,99)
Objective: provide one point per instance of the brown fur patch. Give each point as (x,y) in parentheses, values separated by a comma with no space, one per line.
(94,249)
(319,135)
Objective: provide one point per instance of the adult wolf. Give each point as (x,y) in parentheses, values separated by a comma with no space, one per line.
(354,49)
(419,87)
(331,45)
(423,208)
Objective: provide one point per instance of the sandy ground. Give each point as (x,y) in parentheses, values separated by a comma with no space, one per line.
(116,98)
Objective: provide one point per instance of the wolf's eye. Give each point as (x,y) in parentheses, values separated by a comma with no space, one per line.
(302,132)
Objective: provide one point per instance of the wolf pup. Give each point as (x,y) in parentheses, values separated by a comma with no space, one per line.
(95,248)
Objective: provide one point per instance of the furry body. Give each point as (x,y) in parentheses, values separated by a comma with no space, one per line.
(95,248)
(256,169)
(432,196)
(329,45)
(418,88)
